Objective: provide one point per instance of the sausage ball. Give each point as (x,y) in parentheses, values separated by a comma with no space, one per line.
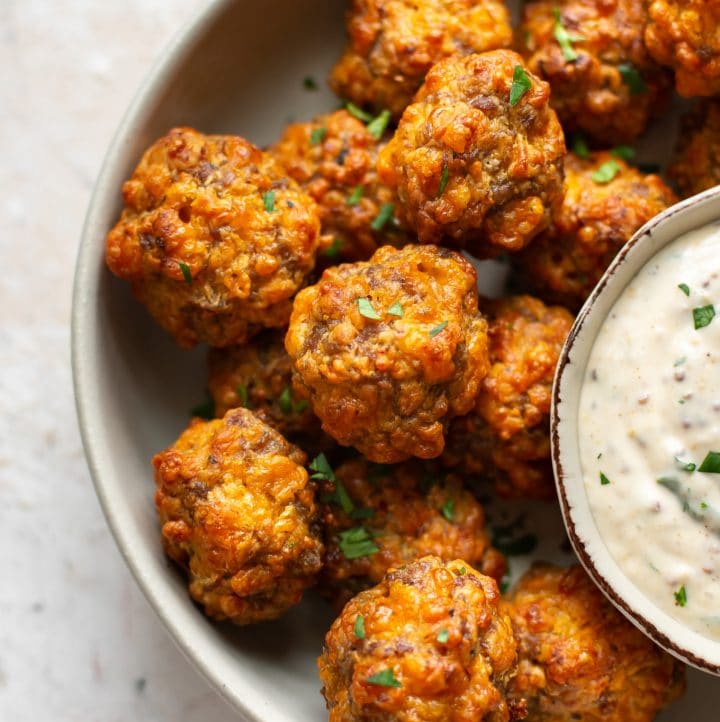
(238,513)
(427,644)
(214,238)
(696,165)
(333,158)
(683,34)
(477,158)
(507,438)
(377,517)
(394,43)
(606,201)
(580,659)
(389,350)
(591,52)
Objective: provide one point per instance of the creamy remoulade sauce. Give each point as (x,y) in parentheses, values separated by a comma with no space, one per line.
(649,418)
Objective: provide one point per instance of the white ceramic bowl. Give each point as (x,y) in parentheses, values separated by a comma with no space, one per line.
(582,530)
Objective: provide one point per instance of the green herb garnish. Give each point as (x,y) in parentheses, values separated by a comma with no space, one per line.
(269,201)
(386,213)
(356,196)
(581,147)
(317,136)
(360,627)
(685,465)
(564,38)
(711,463)
(363,513)
(632,78)
(357,542)
(684,288)
(323,472)
(359,113)
(333,249)
(242,392)
(366,309)
(285,401)
(703,316)
(681,597)
(386,678)
(377,126)
(185,269)
(603,479)
(396,310)
(679,361)
(448,510)
(520,85)
(440,327)
(624,152)
(444,178)
(443,635)
(309,83)
(606,172)
(462,571)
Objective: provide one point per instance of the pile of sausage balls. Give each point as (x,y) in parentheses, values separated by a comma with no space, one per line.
(365,390)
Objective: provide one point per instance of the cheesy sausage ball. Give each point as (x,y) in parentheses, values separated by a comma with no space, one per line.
(507,438)
(389,350)
(580,659)
(238,513)
(696,165)
(591,52)
(605,202)
(214,238)
(333,158)
(683,34)
(393,44)
(375,518)
(477,158)
(427,644)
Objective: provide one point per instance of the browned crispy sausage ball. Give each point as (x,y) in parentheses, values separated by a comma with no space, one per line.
(333,158)
(506,439)
(214,238)
(606,201)
(604,84)
(427,644)
(394,43)
(377,517)
(470,168)
(580,659)
(696,165)
(683,34)
(238,513)
(389,350)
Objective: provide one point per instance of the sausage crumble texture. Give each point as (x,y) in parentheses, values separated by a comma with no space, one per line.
(389,350)
(406,511)
(471,167)
(333,158)
(394,43)
(606,201)
(238,513)
(428,643)
(580,659)
(506,440)
(214,238)
(683,34)
(603,80)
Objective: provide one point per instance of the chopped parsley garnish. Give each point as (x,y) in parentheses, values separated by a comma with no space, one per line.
(366,309)
(359,113)
(564,38)
(679,361)
(444,178)
(323,472)
(462,571)
(377,126)
(317,136)
(363,513)
(357,542)
(703,316)
(269,201)
(684,288)
(443,635)
(606,172)
(624,152)
(448,510)
(356,196)
(206,409)
(681,596)
(396,310)
(603,479)
(711,463)
(242,393)
(285,401)
(360,627)
(581,147)
(386,678)
(632,78)
(185,269)
(386,213)
(520,85)
(309,83)
(686,465)
(333,249)
(438,329)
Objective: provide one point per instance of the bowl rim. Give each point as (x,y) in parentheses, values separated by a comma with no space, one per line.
(690,214)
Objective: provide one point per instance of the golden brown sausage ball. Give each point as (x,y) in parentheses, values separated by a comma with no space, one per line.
(214,238)
(606,201)
(472,166)
(591,52)
(696,166)
(683,34)
(377,517)
(427,644)
(389,350)
(333,158)
(238,513)
(580,659)
(507,438)
(394,43)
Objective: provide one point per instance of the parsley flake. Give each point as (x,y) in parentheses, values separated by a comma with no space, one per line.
(711,463)
(520,85)
(703,316)
(366,309)
(359,113)
(462,571)
(317,136)
(357,542)
(377,126)
(681,596)
(323,472)
(360,627)
(581,147)
(396,310)
(356,196)
(686,465)
(285,401)
(185,269)
(386,678)
(606,172)
(680,361)
(564,38)
(309,83)
(333,249)
(443,635)
(684,288)
(632,78)
(448,510)
(269,201)
(603,479)
(386,213)
(242,393)
(444,178)
(438,329)
(624,152)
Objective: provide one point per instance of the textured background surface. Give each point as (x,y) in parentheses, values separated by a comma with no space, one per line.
(78,642)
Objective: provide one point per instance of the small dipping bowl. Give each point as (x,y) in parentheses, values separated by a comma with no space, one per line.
(585,536)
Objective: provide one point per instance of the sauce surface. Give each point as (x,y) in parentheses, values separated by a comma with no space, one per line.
(649,417)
